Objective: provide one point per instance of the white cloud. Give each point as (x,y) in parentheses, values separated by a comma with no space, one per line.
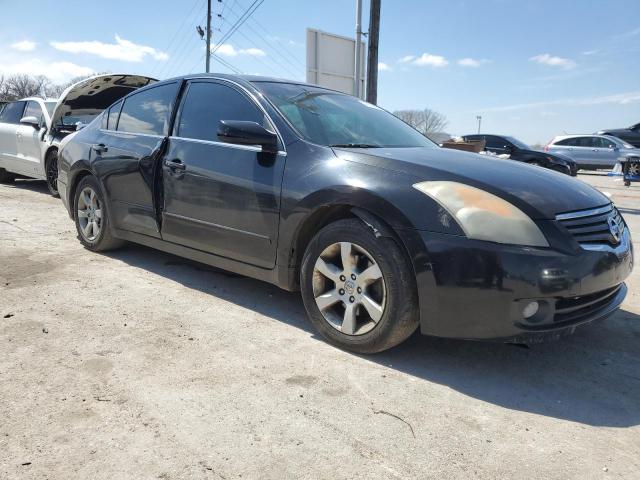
(626,98)
(471,62)
(407,59)
(24,46)
(383,67)
(595,51)
(553,61)
(428,60)
(58,72)
(228,50)
(123,50)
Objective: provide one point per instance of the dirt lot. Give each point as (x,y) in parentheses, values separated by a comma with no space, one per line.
(139,364)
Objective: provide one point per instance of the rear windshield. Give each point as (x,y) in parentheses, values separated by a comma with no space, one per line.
(333,119)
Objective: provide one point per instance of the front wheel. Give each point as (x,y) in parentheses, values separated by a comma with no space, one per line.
(92,217)
(6,177)
(51,169)
(359,290)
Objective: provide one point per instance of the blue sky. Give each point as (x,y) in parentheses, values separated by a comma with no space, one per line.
(532,69)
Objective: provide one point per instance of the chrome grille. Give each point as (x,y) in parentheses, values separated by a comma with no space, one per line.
(603,225)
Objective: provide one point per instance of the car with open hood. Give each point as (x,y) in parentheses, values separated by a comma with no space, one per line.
(31,129)
(382,231)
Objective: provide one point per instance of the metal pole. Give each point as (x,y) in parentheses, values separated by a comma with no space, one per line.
(207,67)
(479,118)
(356,86)
(372,57)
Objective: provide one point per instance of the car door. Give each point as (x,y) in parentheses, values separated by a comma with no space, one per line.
(9,122)
(127,154)
(605,151)
(218,197)
(497,145)
(29,151)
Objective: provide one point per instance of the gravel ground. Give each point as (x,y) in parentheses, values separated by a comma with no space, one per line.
(139,364)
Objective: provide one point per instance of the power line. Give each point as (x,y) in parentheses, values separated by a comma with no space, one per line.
(296,69)
(174,37)
(248,12)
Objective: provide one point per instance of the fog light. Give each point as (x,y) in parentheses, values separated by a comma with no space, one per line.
(530,310)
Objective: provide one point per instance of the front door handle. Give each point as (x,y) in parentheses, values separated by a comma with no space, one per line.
(175,164)
(99,148)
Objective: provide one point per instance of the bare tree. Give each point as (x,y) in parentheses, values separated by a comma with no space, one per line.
(426,121)
(19,86)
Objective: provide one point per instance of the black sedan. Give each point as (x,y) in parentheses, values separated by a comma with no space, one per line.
(314,190)
(521,152)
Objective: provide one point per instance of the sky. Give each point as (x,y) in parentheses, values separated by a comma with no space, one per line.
(531,69)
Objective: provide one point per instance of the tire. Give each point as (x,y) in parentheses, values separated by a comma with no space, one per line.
(395,290)
(6,177)
(98,239)
(51,170)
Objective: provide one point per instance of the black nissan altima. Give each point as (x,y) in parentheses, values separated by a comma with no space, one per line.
(381,230)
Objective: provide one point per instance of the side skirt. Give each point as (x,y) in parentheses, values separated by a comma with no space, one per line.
(270,276)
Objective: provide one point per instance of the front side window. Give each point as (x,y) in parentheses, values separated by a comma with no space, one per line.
(148,112)
(34,110)
(600,142)
(330,118)
(207,103)
(12,112)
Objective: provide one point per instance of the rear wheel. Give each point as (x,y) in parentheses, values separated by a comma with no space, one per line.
(92,217)
(359,290)
(51,168)
(6,177)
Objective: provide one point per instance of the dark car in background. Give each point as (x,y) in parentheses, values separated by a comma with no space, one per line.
(521,152)
(630,135)
(314,190)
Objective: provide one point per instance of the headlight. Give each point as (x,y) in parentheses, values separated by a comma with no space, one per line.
(482,215)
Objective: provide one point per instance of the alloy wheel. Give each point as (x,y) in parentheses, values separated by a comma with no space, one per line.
(349,288)
(89,214)
(634,169)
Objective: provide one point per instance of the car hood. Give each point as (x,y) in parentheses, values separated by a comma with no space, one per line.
(539,192)
(91,96)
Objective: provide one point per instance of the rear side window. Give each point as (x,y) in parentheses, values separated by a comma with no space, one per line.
(34,110)
(112,116)
(567,142)
(148,112)
(585,142)
(12,112)
(207,103)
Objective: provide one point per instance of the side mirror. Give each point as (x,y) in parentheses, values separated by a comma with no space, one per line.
(240,132)
(508,148)
(33,121)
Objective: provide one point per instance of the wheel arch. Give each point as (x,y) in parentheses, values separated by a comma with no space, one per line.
(78,175)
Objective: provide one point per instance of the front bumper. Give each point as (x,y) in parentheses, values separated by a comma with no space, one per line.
(477,290)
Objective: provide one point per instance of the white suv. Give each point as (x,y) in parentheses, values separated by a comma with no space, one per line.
(31,129)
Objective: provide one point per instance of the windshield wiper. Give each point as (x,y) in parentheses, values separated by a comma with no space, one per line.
(354,145)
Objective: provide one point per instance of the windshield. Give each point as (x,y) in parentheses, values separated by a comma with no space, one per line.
(334,119)
(518,143)
(51,106)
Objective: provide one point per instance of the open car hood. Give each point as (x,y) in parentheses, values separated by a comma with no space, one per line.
(83,101)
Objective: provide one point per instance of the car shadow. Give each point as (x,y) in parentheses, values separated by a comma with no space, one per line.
(38,186)
(592,377)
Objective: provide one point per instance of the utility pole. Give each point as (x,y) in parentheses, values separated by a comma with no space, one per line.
(356,86)
(372,58)
(479,118)
(208,64)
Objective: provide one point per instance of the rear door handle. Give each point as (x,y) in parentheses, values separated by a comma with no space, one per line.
(175,164)
(99,148)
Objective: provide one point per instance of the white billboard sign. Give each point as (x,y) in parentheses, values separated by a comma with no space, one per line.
(331,61)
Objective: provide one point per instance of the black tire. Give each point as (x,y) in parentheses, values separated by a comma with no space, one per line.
(6,177)
(400,317)
(104,240)
(51,170)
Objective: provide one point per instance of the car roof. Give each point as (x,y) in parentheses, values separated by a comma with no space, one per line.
(245,79)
